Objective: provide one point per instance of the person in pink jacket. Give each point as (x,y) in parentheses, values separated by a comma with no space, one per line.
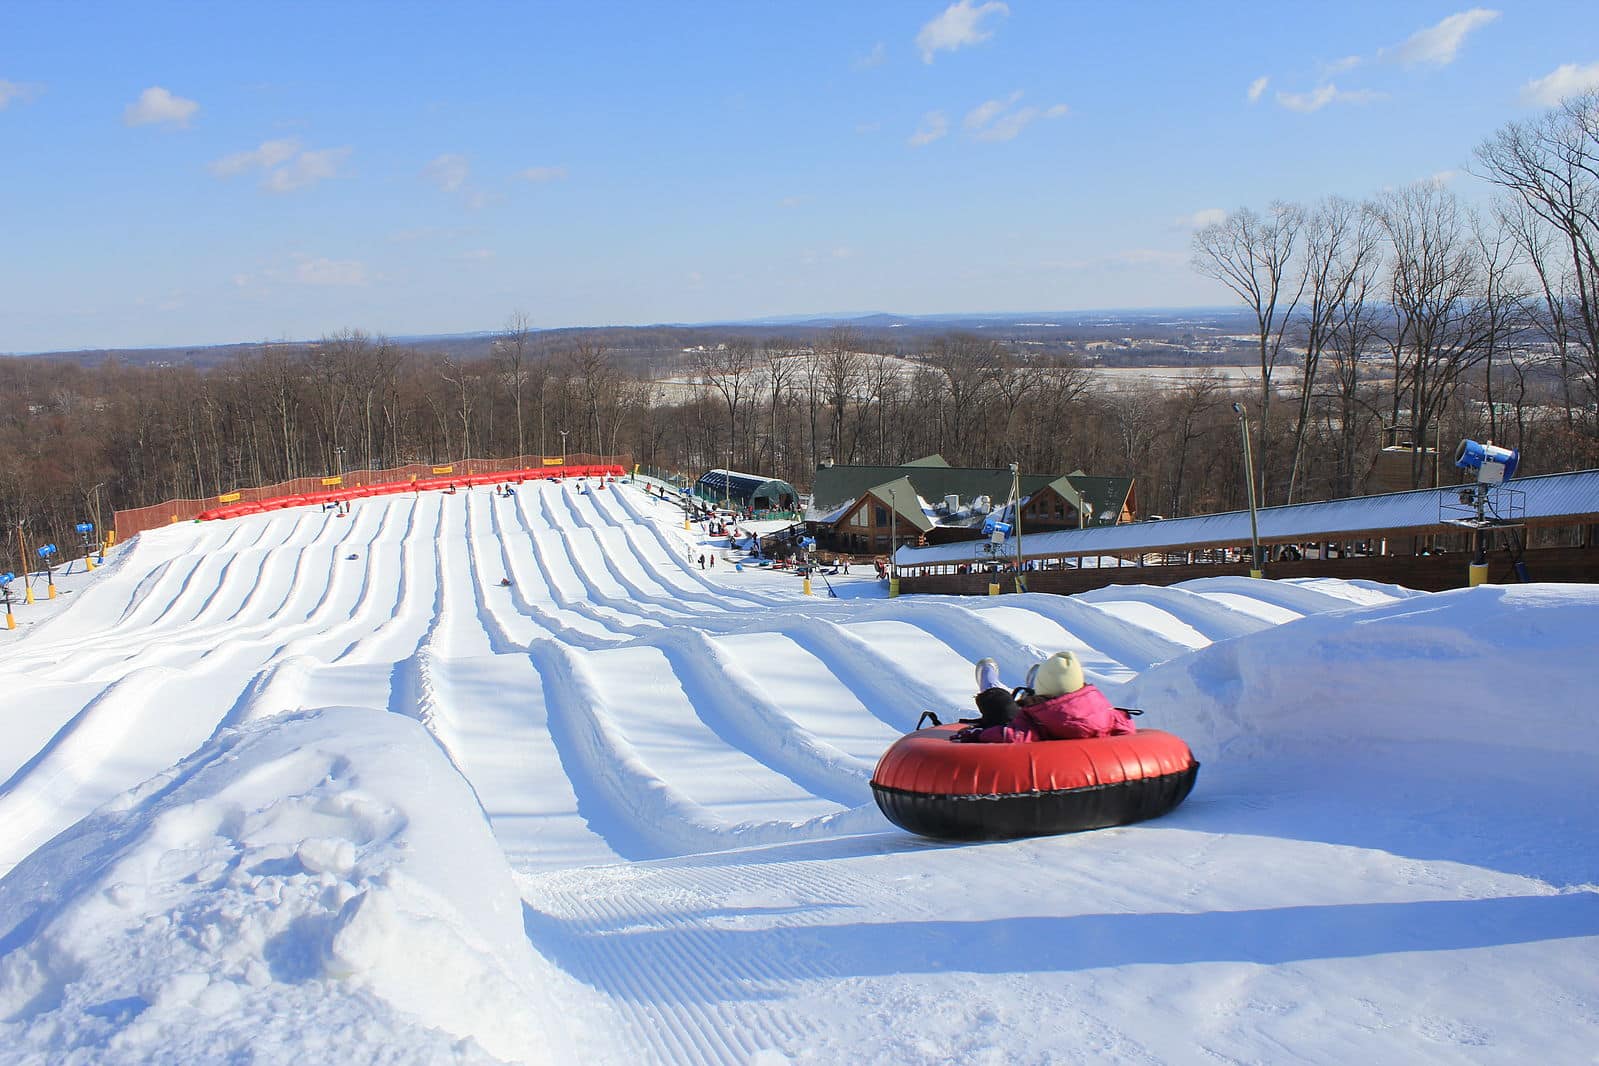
(1061,706)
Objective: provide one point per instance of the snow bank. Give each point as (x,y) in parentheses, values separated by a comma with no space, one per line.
(1487,664)
(321,885)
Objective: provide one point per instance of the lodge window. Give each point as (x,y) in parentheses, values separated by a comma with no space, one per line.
(882,516)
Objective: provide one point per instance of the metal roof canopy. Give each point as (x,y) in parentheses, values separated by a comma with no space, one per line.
(1549,498)
(745,487)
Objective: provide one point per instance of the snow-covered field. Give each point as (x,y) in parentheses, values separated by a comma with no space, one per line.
(299,788)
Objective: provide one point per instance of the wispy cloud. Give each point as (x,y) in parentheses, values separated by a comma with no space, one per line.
(286,166)
(330,272)
(1208,216)
(1568,79)
(306,169)
(1001,120)
(1339,66)
(156,105)
(1438,45)
(267,154)
(448,171)
(875,58)
(1323,95)
(543,174)
(934,125)
(960,25)
(1257,87)
(21,93)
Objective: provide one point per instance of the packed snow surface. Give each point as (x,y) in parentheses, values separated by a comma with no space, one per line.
(310,788)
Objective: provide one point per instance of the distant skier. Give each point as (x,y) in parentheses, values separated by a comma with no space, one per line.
(505,582)
(702,561)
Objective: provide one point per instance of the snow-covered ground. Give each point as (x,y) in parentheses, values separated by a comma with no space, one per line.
(304,788)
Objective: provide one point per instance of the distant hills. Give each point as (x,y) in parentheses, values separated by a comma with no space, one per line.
(882,329)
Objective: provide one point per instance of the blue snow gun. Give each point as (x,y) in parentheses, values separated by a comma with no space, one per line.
(1490,463)
(992,525)
(46,550)
(84,528)
(7,578)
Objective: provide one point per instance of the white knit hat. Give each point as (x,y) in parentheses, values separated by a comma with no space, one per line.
(1059,674)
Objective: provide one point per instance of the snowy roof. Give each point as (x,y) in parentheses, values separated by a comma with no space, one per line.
(1550,496)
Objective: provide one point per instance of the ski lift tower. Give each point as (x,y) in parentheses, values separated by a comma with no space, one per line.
(1486,505)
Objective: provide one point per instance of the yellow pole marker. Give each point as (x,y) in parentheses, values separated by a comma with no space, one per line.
(993,588)
(1477,574)
(807,585)
(893,587)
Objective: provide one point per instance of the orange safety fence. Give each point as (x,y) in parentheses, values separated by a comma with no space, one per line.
(359,483)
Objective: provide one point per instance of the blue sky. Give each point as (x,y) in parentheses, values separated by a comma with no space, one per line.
(187,174)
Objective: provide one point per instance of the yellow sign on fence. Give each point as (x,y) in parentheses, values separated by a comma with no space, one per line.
(336,479)
(557,461)
(444,469)
(228,497)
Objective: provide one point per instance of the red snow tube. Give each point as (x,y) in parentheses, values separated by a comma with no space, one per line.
(929,785)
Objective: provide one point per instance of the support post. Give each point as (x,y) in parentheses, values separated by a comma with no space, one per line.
(1477,572)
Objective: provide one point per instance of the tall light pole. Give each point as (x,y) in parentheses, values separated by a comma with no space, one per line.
(893,543)
(563,434)
(1249,477)
(1016,494)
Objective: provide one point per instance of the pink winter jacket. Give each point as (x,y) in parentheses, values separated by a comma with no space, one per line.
(1084,713)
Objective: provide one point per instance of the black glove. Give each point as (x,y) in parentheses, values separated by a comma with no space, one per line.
(972,734)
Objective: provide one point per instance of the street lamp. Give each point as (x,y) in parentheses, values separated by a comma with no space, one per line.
(1249,477)
(563,433)
(338,457)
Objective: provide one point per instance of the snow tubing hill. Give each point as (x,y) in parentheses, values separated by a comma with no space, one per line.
(928,785)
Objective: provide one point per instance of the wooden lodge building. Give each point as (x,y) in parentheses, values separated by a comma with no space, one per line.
(865,509)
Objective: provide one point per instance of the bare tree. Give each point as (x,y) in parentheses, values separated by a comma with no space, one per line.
(1443,318)
(1257,258)
(512,350)
(1341,242)
(1551,165)
(729,370)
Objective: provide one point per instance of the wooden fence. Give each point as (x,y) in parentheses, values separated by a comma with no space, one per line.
(139,519)
(1430,573)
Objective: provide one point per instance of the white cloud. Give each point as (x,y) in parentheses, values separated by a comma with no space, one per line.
(307,169)
(960,25)
(10,90)
(934,125)
(155,105)
(1323,95)
(874,58)
(543,174)
(287,167)
(1444,177)
(334,272)
(993,120)
(985,112)
(1438,45)
(267,154)
(448,171)
(1566,80)
(1339,66)
(1257,87)
(1208,216)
